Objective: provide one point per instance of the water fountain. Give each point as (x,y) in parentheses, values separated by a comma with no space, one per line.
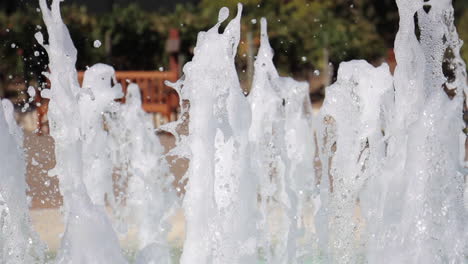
(388,186)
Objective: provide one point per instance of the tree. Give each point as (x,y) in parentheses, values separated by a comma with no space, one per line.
(305,34)
(300,30)
(463,31)
(132,41)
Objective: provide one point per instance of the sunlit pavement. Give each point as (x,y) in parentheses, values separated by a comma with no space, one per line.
(48,223)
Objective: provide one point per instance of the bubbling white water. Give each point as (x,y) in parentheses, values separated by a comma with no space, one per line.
(220,196)
(97,97)
(351,146)
(19,243)
(149,197)
(88,237)
(388,189)
(423,214)
(282,142)
(408,156)
(269,158)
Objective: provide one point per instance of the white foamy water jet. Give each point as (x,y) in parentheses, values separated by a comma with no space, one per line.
(149,197)
(408,156)
(220,197)
(19,243)
(269,158)
(423,214)
(96,98)
(88,237)
(281,139)
(351,148)
(301,179)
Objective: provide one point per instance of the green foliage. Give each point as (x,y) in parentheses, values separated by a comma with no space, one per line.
(305,34)
(301,30)
(332,25)
(84,29)
(384,15)
(460,7)
(17,48)
(135,42)
(186,19)
(463,31)
(28,59)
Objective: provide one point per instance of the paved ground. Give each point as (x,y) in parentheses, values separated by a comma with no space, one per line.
(46,198)
(49,224)
(44,190)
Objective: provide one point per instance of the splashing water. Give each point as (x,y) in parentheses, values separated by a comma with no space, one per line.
(413,202)
(423,213)
(149,197)
(88,237)
(19,243)
(220,197)
(350,149)
(269,157)
(97,97)
(282,145)
(387,187)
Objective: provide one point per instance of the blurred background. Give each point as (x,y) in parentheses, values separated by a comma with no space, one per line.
(310,39)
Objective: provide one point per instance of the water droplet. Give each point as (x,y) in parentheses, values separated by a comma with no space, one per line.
(25,107)
(223,14)
(31,91)
(97,43)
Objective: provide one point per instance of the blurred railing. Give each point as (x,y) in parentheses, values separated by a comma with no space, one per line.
(156,96)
